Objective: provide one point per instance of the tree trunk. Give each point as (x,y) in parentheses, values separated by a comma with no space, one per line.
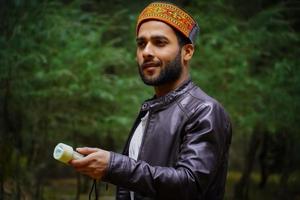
(286,169)
(38,193)
(264,168)
(1,184)
(283,188)
(18,178)
(241,188)
(78,191)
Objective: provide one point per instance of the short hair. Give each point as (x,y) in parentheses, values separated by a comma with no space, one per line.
(182,39)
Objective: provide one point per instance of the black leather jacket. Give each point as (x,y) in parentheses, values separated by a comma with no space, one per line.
(184,151)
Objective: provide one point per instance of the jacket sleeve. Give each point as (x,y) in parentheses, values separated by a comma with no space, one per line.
(203,144)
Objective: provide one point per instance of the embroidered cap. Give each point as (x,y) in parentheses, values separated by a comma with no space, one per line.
(173,16)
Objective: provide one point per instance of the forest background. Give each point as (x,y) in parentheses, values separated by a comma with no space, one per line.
(68,74)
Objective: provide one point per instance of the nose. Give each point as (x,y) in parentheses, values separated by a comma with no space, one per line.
(148,51)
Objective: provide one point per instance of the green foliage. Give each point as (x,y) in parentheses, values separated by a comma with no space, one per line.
(63,81)
(68,74)
(250,66)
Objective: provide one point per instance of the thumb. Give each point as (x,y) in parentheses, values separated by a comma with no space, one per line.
(86,150)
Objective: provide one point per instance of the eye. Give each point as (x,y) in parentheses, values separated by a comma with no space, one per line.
(160,43)
(141,44)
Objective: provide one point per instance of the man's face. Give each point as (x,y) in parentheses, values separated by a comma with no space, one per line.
(158,53)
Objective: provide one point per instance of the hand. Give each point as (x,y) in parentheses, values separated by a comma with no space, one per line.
(94,164)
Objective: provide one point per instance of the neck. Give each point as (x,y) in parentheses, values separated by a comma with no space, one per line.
(166,88)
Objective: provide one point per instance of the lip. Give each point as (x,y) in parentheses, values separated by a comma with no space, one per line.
(150,65)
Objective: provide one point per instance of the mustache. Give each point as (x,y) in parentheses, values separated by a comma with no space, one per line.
(150,64)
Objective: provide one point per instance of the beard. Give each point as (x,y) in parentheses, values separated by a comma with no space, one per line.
(170,73)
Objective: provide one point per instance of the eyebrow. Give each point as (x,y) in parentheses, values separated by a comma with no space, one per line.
(155,37)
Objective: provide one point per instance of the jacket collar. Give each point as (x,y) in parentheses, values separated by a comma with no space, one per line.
(168,98)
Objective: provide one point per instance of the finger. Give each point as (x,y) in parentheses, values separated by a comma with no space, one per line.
(87,171)
(90,173)
(86,150)
(80,162)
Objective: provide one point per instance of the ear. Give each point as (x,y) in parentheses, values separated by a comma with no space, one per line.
(187,52)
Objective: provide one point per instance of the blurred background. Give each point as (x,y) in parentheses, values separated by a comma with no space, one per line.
(68,74)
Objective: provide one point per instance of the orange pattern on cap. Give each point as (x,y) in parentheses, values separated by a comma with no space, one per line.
(169,14)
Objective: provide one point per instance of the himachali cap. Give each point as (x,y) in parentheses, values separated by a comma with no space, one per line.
(173,16)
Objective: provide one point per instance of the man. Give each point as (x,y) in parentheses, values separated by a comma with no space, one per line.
(178,146)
